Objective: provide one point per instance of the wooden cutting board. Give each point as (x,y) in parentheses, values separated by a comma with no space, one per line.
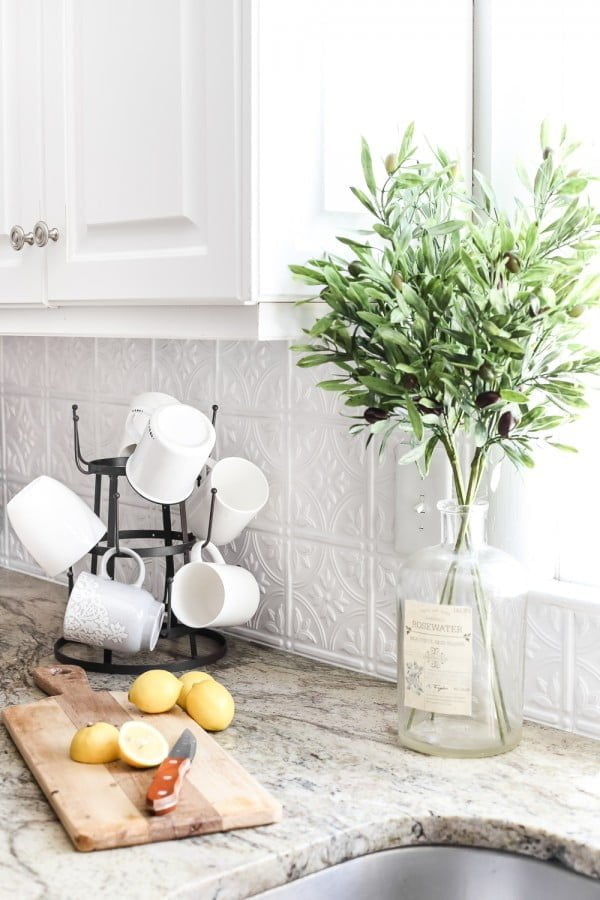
(103,806)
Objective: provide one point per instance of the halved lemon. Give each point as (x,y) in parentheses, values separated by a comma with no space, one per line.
(142,745)
(95,743)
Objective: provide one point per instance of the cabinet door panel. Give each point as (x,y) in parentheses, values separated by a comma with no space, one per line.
(143,150)
(20,130)
(333,71)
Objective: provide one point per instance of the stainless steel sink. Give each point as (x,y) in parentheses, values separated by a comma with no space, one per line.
(440,873)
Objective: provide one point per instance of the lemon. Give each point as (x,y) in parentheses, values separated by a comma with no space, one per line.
(188,680)
(142,745)
(210,705)
(97,743)
(155,691)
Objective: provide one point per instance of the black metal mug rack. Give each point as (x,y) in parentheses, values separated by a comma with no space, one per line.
(175,543)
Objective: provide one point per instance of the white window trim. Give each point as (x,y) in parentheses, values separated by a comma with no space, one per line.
(576,597)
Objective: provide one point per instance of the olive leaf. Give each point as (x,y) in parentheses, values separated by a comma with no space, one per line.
(513,396)
(412,455)
(367,166)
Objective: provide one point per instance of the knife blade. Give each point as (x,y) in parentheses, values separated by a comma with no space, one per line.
(163,792)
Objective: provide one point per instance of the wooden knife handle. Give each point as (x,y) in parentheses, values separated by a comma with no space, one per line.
(164,791)
(54,680)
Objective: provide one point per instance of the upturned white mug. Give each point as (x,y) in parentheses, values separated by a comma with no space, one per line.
(213,593)
(171,453)
(54,525)
(140,410)
(242,491)
(111,614)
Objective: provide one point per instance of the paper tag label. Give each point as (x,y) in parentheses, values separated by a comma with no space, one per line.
(438,658)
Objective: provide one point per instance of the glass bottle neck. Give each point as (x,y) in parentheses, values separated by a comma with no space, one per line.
(464,527)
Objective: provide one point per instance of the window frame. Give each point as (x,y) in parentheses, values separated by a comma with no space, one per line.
(512,504)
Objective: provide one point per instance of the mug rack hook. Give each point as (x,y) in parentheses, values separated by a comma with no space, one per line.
(80,462)
(116,496)
(210,517)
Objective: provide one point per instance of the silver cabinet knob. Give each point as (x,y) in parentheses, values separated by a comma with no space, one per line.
(42,234)
(18,238)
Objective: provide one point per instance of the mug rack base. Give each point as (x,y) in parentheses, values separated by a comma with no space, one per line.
(197,658)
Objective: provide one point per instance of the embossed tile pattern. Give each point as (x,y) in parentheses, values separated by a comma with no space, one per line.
(186,370)
(322,549)
(586,704)
(544,674)
(124,368)
(71,367)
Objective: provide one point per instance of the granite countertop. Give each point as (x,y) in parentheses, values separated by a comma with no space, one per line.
(323,741)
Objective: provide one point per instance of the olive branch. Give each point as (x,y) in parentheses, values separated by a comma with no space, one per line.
(452,318)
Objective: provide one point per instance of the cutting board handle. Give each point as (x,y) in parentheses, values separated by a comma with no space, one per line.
(54,680)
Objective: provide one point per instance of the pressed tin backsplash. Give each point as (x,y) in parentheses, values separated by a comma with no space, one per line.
(323,547)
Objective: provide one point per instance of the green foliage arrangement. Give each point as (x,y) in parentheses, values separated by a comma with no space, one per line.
(450,317)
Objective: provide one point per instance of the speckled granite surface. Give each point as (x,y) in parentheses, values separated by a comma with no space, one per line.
(323,741)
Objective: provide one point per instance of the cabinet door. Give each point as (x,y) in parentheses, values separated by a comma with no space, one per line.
(143,150)
(20,131)
(331,71)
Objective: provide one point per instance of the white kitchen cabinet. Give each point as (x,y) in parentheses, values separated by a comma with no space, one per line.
(21,273)
(189,150)
(143,150)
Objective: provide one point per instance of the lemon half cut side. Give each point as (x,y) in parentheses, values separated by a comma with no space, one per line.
(142,745)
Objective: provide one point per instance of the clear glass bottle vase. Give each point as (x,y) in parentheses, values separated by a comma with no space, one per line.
(461,635)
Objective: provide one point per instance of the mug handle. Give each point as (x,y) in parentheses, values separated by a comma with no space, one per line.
(214,554)
(127,552)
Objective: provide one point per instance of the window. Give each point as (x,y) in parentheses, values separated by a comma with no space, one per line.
(538,60)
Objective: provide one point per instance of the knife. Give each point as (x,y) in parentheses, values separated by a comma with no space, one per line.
(163,793)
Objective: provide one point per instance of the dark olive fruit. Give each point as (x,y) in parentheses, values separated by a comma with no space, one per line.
(547,152)
(355,269)
(576,311)
(409,382)
(425,410)
(486,398)
(373,414)
(485,372)
(506,423)
(512,263)
(397,281)
(391,163)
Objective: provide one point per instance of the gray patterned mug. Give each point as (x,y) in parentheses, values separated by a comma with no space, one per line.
(111,614)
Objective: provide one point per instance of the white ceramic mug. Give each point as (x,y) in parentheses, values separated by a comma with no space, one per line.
(213,593)
(171,453)
(242,491)
(110,614)
(54,525)
(140,410)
